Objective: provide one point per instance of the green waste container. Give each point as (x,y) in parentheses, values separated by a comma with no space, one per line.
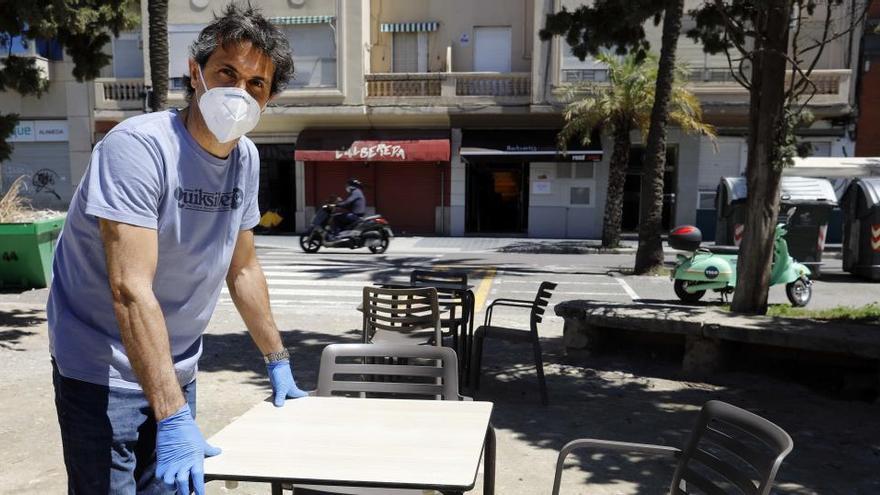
(26,251)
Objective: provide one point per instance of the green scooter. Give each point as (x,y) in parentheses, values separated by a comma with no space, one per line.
(714,268)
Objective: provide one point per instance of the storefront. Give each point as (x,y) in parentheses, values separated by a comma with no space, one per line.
(518,183)
(405,173)
(41,155)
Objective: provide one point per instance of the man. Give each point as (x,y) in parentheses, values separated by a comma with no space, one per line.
(355,204)
(163,214)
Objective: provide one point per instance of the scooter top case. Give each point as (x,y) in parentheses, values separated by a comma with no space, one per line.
(703,265)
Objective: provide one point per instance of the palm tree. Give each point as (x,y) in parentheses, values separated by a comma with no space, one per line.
(620,106)
(158,13)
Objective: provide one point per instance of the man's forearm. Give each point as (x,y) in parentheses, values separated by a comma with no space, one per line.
(145,336)
(251,297)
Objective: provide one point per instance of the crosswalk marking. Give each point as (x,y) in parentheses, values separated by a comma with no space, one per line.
(316,284)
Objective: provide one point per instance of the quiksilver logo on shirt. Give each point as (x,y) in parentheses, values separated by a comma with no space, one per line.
(200,200)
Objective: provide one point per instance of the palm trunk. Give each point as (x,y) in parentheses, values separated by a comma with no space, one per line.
(763,173)
(616,181)
(650,252)
(158,13)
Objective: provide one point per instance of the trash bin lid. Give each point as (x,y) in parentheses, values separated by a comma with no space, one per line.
(870,187)
(794,190)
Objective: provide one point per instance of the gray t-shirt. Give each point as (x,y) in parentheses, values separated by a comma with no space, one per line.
(149,172)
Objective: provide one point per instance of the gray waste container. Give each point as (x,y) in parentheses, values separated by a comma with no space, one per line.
(813,200)
(861,228)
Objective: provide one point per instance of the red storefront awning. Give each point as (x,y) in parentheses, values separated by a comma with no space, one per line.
(318,145)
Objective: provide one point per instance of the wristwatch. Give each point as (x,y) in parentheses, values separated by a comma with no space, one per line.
(276,356)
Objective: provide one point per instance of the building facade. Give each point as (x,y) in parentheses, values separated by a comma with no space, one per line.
(446,110)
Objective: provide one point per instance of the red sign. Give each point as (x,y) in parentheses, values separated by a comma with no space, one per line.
(421,150)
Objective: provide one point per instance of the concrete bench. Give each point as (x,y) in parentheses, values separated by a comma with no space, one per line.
(706,329)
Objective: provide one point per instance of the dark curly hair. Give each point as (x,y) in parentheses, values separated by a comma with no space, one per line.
(243,23)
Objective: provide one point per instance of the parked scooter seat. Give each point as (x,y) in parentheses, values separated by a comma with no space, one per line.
(723,249)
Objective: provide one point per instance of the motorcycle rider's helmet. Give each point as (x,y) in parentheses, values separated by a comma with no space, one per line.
(353,184)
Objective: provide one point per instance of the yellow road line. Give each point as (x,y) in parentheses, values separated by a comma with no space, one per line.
(482,293)
(483,289)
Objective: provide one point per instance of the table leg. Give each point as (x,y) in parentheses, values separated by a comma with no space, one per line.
(489,463)
(276,488)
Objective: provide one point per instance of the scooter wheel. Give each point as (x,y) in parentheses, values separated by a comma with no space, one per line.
(799,292)
(680,287)
(310,242)
(381,246)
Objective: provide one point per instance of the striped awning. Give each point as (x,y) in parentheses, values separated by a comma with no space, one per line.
(302,19)
(408,27)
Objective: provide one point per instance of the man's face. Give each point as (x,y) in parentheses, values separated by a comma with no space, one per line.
(238,65)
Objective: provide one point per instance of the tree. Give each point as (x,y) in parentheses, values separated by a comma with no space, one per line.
(772,52)
(82,28)
(620,106)
(157,11)
(619,25)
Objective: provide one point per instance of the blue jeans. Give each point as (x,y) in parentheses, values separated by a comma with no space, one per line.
(108,435)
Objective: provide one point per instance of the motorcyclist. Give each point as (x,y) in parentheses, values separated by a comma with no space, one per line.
(355,205)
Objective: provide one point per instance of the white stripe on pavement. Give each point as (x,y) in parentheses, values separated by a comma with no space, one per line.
(559,293)
(629,291)
(336,294)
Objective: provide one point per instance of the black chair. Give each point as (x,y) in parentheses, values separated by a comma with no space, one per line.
(452,296)
(730,450)
(530,335)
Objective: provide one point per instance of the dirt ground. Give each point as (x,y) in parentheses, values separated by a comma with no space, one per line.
(619,397)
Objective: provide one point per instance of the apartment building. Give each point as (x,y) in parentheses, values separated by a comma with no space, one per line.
(446,110)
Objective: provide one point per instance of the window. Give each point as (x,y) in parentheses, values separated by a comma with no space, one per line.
(706,200)
(580,195)
(405,52)
(563,170)
(583,170)
(180,38)
(128,58)
(49,49)
(314,55)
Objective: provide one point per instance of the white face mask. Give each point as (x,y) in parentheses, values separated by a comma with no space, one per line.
(229,113)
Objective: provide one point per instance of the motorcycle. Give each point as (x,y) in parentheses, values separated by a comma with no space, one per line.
(714,268)
(373,231)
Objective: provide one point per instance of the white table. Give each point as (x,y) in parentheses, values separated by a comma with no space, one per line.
(393,443)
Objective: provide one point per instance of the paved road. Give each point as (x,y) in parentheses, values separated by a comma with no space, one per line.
(615,397)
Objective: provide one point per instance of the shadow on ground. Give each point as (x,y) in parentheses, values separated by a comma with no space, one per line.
(628,396)
(12,323)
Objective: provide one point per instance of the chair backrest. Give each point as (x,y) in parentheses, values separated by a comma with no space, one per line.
(542,299)
(452,300)
(401,310)
(429,276)
(371,370)
(730,451)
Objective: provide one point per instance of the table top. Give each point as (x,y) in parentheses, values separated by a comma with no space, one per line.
(436,285)
(401,443)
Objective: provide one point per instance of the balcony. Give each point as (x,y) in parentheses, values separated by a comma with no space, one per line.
(448,88)
(120,94)
(715,86)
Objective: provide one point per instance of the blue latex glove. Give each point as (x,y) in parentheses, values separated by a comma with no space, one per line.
(283,384)
(180,453)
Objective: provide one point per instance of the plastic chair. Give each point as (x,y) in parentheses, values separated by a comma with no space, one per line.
(350,370)
(530,335)
(730,451)
(401,316)
(458,301)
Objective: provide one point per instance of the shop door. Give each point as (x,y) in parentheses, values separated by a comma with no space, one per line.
(278,183)
(497,198)
(633,185)
(408,195)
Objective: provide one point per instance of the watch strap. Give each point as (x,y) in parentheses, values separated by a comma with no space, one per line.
(276,356)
